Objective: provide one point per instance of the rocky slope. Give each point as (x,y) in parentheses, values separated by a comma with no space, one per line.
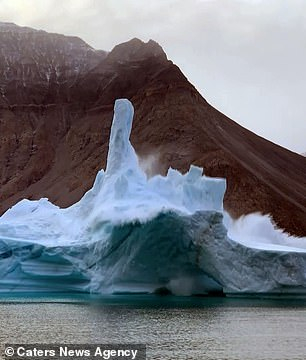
(38,68)
(55,123)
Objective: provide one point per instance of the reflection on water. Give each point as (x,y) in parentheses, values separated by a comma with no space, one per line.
(172,328)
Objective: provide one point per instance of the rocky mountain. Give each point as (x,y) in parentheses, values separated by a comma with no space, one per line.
(56,110)
(39,68)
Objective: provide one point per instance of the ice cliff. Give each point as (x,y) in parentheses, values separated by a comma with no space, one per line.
(133,234)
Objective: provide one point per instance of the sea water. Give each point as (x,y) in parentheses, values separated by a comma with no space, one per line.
(171,327)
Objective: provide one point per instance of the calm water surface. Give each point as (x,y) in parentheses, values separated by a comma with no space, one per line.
(172,328)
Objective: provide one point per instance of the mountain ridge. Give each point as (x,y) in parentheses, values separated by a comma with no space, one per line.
(53,146)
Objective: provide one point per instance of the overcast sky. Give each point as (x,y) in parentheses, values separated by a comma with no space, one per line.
(246,57)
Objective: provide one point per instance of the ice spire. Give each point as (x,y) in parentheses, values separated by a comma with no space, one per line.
(121,155)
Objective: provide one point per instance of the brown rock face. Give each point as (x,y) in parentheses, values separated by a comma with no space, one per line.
(54,131)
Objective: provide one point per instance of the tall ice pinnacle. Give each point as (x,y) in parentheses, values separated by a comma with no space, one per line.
(121,155)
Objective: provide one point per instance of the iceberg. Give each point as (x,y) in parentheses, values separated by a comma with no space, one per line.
(133,234)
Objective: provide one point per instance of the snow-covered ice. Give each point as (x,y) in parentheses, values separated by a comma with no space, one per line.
(129,233)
